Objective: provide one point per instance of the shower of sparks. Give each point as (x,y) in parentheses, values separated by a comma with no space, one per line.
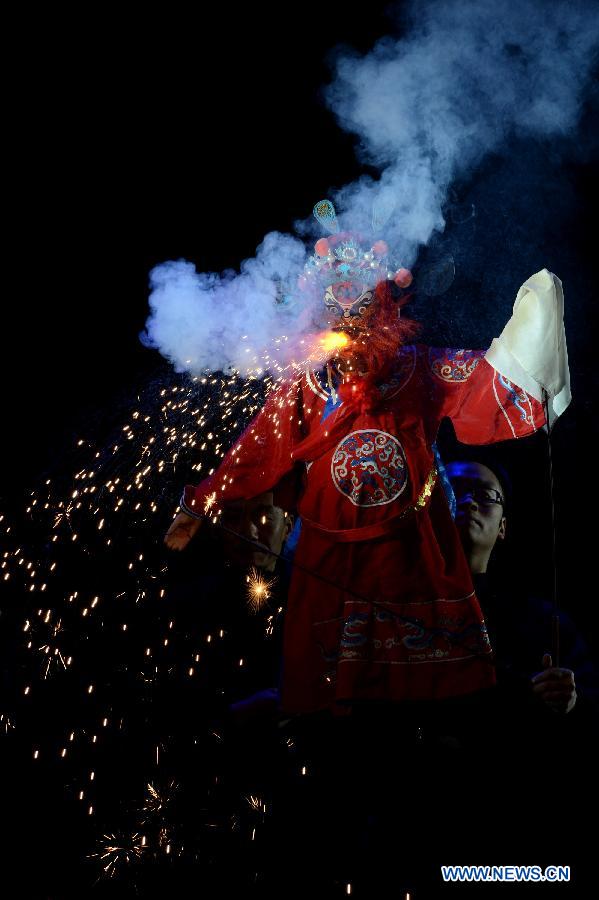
(73,530)
(117,851)
(258,589)
(86,567)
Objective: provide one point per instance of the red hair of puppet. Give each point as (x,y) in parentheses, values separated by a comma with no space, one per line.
(382,332)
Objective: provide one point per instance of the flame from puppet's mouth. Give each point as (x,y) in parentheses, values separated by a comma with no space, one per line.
(333,340)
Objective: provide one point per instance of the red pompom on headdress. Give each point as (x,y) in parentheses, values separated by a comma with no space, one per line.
(322,247)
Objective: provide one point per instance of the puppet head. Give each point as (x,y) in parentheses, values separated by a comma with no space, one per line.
(362,293)
(346,269)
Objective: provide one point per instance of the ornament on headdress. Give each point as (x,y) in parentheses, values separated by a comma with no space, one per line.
(324,212)
(380,249)
(346,257)
(322,247)
(403,278)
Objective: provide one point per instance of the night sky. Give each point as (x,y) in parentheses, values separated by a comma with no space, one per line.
(181,134)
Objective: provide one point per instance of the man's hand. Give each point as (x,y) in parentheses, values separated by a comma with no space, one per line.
(181,531)
(555,687)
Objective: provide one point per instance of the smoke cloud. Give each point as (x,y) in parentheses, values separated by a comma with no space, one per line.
(465,78)
(207,321)
(468,77)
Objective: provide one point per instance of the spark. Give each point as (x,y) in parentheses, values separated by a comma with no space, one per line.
(6,722)
(210,501)
(64,513)
(158,799)
(117,851)
(51,652)
(258,589)
(256,804)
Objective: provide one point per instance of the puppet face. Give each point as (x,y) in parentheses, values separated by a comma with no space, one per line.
(347,299)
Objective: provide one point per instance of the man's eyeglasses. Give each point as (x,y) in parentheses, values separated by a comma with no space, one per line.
(483,495)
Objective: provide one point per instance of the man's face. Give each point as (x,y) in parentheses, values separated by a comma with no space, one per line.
(258,520)
(479,519)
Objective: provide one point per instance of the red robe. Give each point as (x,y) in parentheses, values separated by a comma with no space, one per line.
(393,615)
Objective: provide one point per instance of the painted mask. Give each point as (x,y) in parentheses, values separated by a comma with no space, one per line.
(347,299)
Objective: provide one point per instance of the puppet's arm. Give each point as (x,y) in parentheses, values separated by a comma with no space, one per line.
(257,461)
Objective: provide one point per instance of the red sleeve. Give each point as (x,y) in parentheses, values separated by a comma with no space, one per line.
(483,405)
(259,459)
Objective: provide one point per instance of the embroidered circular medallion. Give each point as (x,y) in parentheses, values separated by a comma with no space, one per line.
(369,467)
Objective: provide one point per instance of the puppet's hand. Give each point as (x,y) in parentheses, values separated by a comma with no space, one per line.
(181,531)
(554,687)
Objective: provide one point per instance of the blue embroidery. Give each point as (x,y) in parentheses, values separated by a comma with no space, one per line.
(350,638)
(453,365)
(446,483)
(514,397)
